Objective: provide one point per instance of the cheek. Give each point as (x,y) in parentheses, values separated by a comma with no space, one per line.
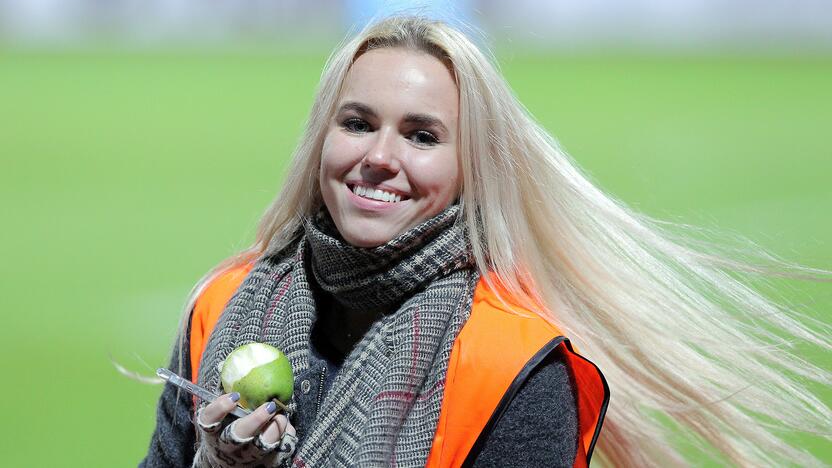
(438,177)
(339,153)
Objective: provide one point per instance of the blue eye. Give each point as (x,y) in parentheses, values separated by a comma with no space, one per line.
(355,125)
(424,138)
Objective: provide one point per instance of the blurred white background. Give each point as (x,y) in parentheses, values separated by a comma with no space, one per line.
(660,24)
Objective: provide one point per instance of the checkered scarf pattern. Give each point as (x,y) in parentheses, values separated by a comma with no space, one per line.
(383,406)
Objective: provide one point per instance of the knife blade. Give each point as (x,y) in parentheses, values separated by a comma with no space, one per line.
(190,387)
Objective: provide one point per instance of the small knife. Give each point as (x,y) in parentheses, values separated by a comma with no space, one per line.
(194,389)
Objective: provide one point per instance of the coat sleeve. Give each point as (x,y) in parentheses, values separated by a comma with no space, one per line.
(540,425)
(173,441)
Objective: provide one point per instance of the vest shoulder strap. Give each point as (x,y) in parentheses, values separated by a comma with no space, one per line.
(208,308)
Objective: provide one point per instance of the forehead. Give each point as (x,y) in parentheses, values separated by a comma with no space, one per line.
(391,78)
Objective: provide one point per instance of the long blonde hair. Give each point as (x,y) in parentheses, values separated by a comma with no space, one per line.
(681,339)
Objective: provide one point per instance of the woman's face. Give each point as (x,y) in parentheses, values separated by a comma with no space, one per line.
(389,159)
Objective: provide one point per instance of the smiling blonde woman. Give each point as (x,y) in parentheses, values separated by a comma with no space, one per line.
(430,253)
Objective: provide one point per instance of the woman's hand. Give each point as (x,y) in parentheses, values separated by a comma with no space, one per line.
(262,437)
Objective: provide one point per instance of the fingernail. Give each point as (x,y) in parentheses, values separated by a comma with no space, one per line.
(235,397)
(271,407)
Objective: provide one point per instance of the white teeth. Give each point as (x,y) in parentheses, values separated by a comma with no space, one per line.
(376,194)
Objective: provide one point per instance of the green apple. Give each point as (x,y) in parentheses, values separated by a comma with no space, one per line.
(258,372)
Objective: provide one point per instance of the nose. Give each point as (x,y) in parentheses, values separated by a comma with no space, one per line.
(383,155)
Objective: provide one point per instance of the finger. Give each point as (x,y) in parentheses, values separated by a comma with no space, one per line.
(271,434)
(286,427)
(274,431)
(251,424)
(218,409)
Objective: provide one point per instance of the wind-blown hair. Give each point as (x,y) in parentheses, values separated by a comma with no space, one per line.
(681,337)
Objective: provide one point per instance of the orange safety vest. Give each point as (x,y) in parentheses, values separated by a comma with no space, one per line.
(493,355)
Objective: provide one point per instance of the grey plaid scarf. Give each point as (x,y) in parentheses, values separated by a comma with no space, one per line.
(383,406)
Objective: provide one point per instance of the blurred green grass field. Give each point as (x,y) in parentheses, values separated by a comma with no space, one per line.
(124,177)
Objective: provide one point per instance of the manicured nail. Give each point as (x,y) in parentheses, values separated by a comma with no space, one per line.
(271,407)
(235,397)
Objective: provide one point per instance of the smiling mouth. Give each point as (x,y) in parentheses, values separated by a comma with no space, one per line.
(376,194)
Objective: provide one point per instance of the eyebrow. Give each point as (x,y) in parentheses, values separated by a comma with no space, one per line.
(358,107)
(410,117)
(425,120)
